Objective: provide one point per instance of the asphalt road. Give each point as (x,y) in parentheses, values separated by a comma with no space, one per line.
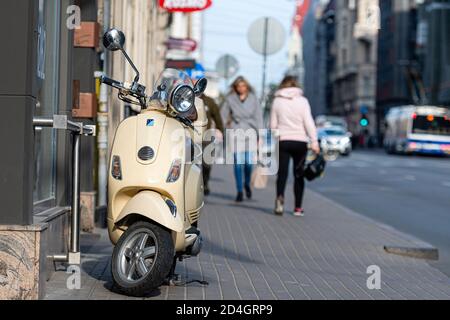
(409,193)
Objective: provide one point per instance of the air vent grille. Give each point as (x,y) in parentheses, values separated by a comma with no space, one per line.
(146,153)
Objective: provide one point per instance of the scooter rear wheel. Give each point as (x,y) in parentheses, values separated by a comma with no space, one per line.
(142,258)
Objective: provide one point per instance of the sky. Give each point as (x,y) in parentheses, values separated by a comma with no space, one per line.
(226,24)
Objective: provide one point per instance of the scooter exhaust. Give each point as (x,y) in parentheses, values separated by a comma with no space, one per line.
(194,242)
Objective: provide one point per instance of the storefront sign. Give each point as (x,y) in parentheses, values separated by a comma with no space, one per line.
(181,44)
(87,35)
(185,5)
(181,64)
(196,73)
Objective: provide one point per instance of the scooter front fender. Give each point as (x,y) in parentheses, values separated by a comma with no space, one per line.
(152,205)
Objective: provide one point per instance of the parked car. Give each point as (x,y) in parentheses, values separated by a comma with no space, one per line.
(335,141)
(331,121)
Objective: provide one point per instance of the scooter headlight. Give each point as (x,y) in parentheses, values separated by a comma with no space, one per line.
(183,99)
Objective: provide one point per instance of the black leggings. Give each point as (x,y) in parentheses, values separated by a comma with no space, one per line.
(297,150)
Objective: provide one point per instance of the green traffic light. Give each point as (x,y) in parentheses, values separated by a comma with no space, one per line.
(364,122)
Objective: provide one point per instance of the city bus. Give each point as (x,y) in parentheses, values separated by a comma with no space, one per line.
(418,129)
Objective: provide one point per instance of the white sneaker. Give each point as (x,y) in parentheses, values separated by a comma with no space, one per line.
(299,213)
(279,207)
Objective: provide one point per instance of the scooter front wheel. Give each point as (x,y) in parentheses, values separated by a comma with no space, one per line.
(142,258)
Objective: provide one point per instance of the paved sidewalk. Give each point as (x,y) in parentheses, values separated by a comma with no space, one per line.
(251,254)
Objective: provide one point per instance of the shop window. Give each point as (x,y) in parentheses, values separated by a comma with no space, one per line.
(47,103)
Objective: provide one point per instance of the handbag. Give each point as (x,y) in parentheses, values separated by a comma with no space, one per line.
(315,168)
(259,178)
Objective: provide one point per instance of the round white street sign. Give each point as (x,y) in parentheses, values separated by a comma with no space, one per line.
(266,44)
(227,66)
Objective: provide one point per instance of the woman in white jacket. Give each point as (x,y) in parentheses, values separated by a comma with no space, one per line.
(291,116)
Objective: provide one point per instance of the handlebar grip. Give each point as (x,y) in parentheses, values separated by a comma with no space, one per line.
(111,82)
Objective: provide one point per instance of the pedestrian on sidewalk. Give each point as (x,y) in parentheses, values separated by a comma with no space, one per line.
(214,118)
(291,116)
(242,110)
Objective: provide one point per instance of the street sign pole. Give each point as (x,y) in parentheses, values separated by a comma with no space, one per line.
(266,29)
(227,71)
(227,66)
(266,36)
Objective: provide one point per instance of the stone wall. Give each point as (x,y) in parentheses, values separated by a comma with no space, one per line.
(22,262)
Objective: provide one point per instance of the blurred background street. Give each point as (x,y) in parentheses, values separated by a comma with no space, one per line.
(376,74)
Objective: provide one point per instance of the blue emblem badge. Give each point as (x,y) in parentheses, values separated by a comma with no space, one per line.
(150,122)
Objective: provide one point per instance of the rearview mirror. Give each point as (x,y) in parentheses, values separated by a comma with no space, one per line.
(114,40)
(200,86)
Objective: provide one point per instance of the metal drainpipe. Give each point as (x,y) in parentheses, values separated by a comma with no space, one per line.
(75,218)
(102,118)
(154,43)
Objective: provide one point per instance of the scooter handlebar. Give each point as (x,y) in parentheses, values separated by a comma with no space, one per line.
(111,82)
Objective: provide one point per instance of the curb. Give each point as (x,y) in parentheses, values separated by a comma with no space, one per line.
(418,253)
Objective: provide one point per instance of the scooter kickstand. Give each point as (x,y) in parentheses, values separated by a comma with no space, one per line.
(175,280)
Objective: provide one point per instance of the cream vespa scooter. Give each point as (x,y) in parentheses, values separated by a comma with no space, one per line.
(155,186)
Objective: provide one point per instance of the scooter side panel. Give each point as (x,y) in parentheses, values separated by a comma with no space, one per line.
(194,196)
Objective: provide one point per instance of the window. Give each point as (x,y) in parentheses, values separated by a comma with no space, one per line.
(344,56)
(47,102)
(433,125)
(345,28)
(367,53)
(367,86)
(446,40)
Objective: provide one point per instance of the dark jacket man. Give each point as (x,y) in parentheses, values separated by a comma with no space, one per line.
(213,114)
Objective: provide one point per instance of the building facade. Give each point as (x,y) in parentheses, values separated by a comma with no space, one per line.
(320,55)
(312,58)
(433,50)
(414,46)
(397,55)
(296,61)
(328,45)
(354,76)
(51,64)
(46,71)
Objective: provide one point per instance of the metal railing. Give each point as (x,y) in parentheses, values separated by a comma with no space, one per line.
(60,122)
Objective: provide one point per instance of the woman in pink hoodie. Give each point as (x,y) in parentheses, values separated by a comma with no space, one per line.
(291,116)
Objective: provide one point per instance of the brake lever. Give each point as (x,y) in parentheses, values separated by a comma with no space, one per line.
(124,98)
